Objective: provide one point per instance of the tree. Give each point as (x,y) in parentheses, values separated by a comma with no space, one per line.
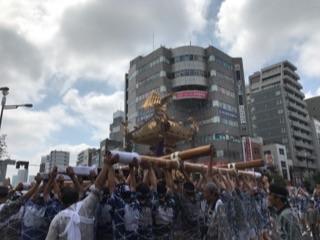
(3,147)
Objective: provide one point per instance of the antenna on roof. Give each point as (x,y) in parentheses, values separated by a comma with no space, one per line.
(190,42)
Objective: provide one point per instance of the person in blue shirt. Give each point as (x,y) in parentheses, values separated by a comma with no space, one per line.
(39,211)
(145,207)
(164,213)
(125,213)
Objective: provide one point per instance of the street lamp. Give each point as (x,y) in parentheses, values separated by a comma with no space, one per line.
(5,92)
(7,107)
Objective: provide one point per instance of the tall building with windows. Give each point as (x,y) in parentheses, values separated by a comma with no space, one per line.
(116,127)
(207,85)
(23,175)
(86,157)
(313,105)
(57,158)
(279,114)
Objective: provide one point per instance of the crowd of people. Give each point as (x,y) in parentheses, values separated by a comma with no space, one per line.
(160,204)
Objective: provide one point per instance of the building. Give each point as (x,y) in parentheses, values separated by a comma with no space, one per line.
(278,155)
(22,175)
(15,181)
(248,110)
(315,126)
(117,127)
(252,148)
(316,129)
(57,158)
(313,105)
(31,178)
(108,145)
(279,114)
(207,85)
(44,159)
(85,158)
(95,161)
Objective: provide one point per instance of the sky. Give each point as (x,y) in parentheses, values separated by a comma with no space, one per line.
(69,58)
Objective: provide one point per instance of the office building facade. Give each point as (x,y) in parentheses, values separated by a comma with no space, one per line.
(117,127)
(313,105)
(278,155)
(279,114)
(207,85)
(87,157)
(57,158)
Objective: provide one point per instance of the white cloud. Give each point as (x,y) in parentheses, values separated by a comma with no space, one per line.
(37,20)
(264,32)
(28,130)
(95,109)
(97,39)
(21,66)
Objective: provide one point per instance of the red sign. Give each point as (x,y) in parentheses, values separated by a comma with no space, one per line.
(191,94)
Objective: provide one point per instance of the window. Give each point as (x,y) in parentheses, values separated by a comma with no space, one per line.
(189,72)
(238,75)
(283,164)
(240,100)
(280,111)
(278,93)
(163,89)
(267,152)
(187,57)
(215,103)
(281,151)
(162,73)
(220,153)
(212,58)
(216,119)
(214,88)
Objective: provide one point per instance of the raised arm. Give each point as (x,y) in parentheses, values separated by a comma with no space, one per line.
(169,180)
(152,179)
(74,179)
(32,191)
(107,164)
(49,185)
